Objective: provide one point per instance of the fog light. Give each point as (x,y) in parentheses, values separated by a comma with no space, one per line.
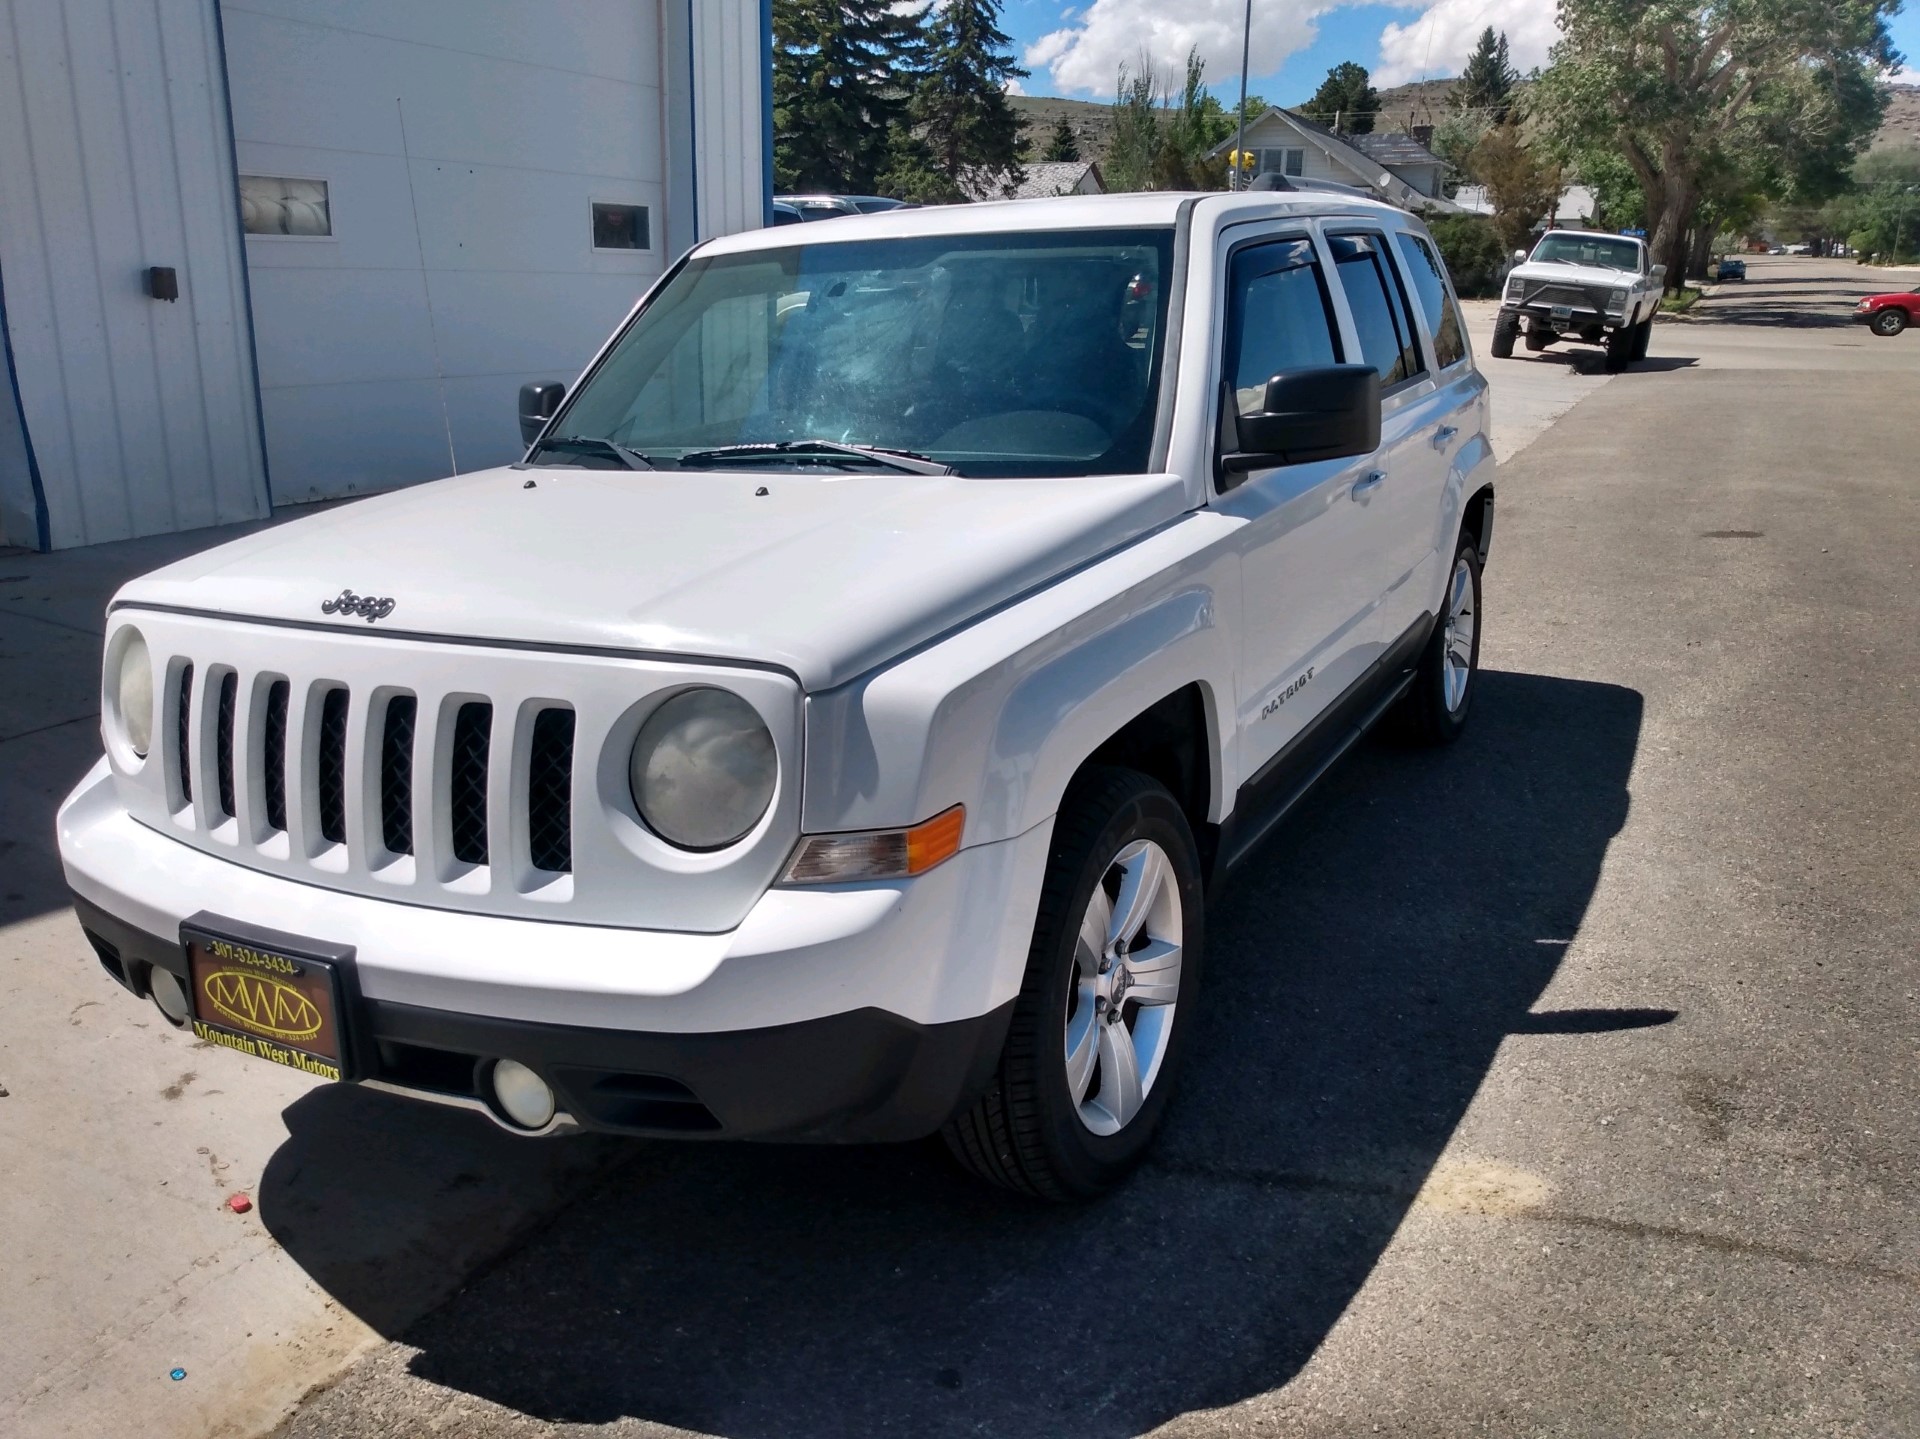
(523,1095)
(170,995)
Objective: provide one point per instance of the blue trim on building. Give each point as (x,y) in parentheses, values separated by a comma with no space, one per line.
(42,519)
(246,269)
(766,110)
(693,125)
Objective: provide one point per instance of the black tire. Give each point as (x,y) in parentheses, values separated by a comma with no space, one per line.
(1506,329)
(1539,337)
(1620,345)
(1888,323)
(1025,1132)
(1643,338)
(1424,715)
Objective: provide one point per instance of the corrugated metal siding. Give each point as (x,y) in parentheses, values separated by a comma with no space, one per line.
(461,262)
(729,68)
(114,156)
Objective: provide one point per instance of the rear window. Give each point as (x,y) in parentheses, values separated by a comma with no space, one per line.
(1436,302)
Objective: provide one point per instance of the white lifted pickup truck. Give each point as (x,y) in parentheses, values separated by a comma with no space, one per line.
(833,727)
(1577,285)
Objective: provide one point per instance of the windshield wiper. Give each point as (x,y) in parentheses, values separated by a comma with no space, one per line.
(905,460)
(589,445)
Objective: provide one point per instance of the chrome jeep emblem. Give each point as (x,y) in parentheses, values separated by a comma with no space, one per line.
(366,606)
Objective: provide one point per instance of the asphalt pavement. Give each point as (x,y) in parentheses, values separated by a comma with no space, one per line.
(1562,1083)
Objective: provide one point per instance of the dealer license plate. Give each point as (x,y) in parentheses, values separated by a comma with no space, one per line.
(1563,312)
(267,1003)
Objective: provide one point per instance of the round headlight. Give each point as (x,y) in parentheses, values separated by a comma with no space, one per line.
(703,769)
(133,693)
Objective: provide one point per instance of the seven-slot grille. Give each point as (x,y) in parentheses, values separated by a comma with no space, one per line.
(394,746)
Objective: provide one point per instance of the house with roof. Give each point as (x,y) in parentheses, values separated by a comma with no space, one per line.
(1395,167)
(1041,179)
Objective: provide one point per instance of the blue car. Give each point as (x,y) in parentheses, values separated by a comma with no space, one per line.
(1733,269)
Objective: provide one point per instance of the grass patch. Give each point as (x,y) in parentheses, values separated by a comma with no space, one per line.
(1681,303)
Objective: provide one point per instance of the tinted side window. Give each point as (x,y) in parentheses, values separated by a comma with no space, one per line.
(1379,309)
(1430,284)
(1279,318)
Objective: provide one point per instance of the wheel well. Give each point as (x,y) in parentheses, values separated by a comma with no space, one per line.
(1475,518)
(1168,742)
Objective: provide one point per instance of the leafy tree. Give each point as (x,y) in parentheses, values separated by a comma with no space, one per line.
(960,107)
(1675,87)
(1473,250)
(1486,84)
(1880,216)
(1064,144)
(1522,182)
(1160,142)
(1455,139)
(835,98)
(1346,100)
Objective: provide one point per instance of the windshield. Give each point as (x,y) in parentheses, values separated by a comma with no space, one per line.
(1602,250)
(1002,355)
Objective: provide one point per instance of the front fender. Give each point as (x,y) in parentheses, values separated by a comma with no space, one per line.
(1000,715)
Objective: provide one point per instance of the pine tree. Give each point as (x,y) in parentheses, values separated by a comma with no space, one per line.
(1486,84)
(960,108)
(1345,100)
(1064,145)
(837,92)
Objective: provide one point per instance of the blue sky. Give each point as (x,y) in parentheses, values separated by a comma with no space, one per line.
(1073,47)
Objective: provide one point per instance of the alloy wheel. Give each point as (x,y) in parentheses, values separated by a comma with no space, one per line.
(1120,1007)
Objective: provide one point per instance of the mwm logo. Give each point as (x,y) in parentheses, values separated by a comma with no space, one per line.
(262,1005)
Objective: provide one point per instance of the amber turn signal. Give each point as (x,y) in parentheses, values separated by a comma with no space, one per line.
(879,854)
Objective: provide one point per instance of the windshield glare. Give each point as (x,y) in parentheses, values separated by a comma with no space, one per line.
(1009,354)
(1600,250)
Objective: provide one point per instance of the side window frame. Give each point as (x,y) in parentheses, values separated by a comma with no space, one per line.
(1404,316)
(1339,327)
(1435,368)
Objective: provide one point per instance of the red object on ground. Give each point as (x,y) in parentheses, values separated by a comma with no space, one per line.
(239,1203)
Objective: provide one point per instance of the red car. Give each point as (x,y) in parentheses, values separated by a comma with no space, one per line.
(1888,315)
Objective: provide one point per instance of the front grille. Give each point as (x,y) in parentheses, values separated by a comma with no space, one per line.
(183,733)
(333,767)
(273,754)
(223,742)
(467,781)
(338,774)
(1565,295)
(396,775)
(550,792)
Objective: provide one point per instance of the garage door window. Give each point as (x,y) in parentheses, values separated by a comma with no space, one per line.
(282,205)
(620,227)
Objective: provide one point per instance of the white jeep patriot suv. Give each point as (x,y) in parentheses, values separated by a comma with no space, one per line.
(832,729)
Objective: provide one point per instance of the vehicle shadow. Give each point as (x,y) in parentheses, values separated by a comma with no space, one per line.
(1363,972)
(1588,361)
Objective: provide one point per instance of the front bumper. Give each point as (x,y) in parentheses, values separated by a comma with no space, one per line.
(853,1012)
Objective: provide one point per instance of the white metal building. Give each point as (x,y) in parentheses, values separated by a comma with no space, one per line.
(377,218)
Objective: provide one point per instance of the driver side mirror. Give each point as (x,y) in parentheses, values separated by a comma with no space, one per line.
(1519,257)
(539,402)
(1324,414)
(1658,272)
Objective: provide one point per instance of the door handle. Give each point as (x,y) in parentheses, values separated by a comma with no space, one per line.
(1362,488)
(1443,436)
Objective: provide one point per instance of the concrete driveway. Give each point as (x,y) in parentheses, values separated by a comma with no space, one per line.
(1559,1084)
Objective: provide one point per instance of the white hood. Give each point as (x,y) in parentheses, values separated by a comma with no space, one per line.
(826,576)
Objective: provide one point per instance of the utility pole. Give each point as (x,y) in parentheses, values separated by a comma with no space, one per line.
(1240,139)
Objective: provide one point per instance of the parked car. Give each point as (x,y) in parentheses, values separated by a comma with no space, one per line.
(1733,269)
(785,214)
(830,207)
(832,729)
(1888,315)
(1580,285)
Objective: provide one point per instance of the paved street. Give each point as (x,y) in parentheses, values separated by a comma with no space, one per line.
(1563,1083)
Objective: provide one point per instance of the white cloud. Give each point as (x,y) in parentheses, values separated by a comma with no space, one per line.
(1439,42)
(1086,55)
(1014,87)
(1908,76)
